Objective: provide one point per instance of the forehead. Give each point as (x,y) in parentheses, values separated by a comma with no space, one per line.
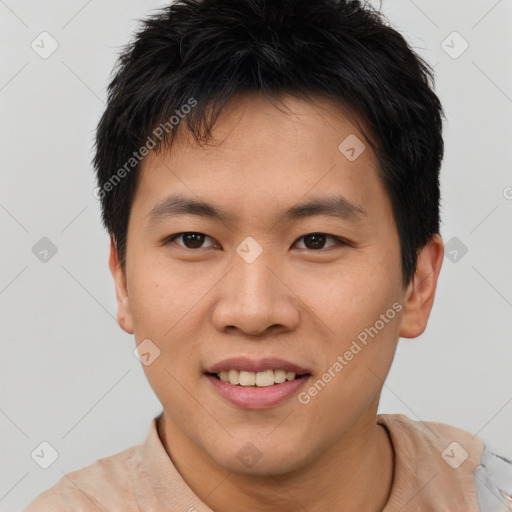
(264,150)
(251,123)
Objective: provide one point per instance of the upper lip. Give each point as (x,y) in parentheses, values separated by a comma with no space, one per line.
(256,365)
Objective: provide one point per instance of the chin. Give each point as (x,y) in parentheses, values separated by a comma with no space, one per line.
(260,458)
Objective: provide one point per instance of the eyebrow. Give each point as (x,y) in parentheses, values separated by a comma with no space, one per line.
(332,206)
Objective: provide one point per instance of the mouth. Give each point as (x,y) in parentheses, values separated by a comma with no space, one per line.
(257,384)
(257,379)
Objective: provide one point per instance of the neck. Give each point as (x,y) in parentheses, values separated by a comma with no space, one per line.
(356,472)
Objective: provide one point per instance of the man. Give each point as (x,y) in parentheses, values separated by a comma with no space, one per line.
(269,175)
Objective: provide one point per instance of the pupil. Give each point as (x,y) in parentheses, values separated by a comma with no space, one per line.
(318,241)
(188,239)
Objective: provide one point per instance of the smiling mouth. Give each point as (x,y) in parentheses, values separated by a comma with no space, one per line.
(257,379)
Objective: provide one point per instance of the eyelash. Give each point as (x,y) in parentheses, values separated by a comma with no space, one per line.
(340,241)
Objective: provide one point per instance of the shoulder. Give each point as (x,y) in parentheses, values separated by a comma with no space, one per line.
(102,485)
(447,444)
(464,460)
(49,500)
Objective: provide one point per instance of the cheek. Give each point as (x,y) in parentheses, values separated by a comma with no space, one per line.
(358,312)
(170,306)
(165,304)
(346,300)
(163,296)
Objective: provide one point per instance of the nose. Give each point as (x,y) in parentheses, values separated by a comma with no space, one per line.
(256,297)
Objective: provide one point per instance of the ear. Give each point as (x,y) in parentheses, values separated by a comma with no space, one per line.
(419,296)
(124,316)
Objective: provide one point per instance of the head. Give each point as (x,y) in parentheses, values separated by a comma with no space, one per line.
(269,175)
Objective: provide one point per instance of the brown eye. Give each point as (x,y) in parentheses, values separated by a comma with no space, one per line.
(190,240)
(316,241)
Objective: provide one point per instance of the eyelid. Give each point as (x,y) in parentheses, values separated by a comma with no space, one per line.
(171,238)
(340,241)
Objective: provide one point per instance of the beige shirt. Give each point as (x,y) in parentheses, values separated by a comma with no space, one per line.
(438,468)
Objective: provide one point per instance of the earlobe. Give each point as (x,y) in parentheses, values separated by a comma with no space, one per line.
(124,317)
(420,293)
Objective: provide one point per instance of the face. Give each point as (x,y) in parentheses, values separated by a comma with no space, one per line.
(258,281)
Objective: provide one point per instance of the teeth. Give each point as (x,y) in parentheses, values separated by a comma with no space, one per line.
(265,378)
(280,376)
(247,378)
(260,379)
(234,376)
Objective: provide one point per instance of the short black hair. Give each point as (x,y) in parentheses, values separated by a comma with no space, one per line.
(193,56)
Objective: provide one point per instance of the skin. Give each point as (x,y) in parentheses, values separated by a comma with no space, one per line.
(295,301)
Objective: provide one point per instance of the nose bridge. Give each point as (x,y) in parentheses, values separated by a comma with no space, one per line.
(255,286)
(253,297)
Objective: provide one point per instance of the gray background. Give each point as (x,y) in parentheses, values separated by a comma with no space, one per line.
(68,375)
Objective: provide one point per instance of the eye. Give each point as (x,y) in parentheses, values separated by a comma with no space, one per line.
(316,241)
(191,240)
(313,241)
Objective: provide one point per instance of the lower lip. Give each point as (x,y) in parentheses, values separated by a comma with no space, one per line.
(255,397)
